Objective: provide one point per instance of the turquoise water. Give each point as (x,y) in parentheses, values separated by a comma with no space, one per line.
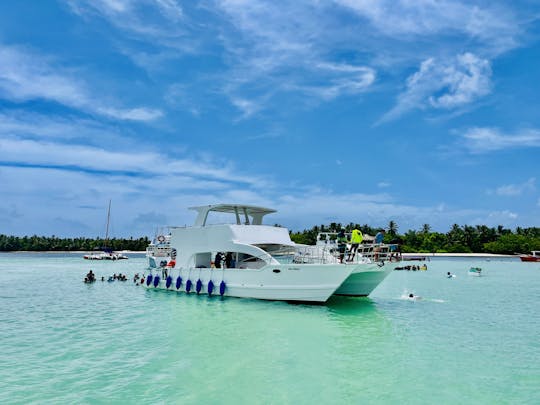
(468,340)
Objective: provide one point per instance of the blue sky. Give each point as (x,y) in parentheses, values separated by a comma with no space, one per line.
(360,111)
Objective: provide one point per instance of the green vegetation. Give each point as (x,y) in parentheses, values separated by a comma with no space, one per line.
(53,243)
(459,239)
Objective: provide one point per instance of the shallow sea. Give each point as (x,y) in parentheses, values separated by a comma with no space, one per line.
(469,340)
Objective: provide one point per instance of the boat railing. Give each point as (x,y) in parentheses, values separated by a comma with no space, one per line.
(322,254)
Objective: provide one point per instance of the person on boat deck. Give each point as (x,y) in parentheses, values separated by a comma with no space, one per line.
(342,244)
(356,239)
(395,252)
(218,260)
(379,238)
(229,261)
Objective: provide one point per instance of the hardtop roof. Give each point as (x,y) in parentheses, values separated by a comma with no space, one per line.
(253,211)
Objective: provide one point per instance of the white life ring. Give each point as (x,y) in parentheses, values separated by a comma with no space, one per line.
(161,238)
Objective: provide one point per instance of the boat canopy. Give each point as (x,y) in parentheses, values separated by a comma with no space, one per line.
(242,213)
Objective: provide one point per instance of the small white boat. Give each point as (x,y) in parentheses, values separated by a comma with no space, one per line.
(106,253)
(244,258)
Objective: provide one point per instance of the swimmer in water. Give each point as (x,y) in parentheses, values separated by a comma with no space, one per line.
(449,275)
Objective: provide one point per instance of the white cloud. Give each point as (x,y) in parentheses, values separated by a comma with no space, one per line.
(465,81)
(268,49)
(483,140)
(517,189)
(341,79)
(41,195)
(159,22)
(270,53)
(247,107)
(444,85)
(133,114)
(374,209)
(502,216)
(30,152)
(492,25)
(28,76)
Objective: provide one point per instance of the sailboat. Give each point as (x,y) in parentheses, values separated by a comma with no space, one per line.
(107,253)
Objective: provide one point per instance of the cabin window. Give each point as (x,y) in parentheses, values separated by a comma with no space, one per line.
(202,260)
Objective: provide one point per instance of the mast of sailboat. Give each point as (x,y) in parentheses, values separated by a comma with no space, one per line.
(108,219)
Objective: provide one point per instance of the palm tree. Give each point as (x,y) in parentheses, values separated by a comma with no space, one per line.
(426,228)
(392,228)
(456,235)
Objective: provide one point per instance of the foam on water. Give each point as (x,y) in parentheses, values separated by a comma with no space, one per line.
(470,340)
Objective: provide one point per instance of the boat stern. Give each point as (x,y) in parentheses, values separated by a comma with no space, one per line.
(364,279)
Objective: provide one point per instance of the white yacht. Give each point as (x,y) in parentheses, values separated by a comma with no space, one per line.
(244,258)
(105,255)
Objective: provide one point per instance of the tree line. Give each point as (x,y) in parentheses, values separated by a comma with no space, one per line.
(53,243)
(459,239)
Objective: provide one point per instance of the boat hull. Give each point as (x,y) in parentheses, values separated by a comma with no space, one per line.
(156,262)
(364,279)
(529,259)
(306,282)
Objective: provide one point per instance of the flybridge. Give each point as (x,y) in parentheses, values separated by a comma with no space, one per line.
(244,214)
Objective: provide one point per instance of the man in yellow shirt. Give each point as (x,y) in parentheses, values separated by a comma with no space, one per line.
(356,239)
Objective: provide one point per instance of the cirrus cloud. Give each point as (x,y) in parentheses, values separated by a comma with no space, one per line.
(26,75)
(483,140)
(443,85)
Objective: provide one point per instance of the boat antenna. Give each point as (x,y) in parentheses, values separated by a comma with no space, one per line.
(108,220)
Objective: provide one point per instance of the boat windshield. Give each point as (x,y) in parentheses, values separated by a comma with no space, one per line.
(277,251)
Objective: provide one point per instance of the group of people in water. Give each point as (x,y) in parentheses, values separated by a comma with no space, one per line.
(119,277)
(412,268)
(91,277)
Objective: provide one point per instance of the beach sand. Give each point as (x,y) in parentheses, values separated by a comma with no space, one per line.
(407,255)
